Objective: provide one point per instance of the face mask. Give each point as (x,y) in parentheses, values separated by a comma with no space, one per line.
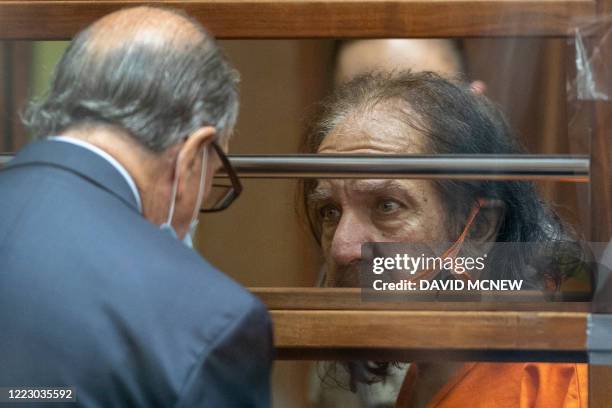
(167,226)
(454,249)
(188,240)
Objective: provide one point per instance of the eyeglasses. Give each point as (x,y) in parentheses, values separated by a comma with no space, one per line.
(222,193)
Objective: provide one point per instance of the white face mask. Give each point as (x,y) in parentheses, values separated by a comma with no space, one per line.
(167,226)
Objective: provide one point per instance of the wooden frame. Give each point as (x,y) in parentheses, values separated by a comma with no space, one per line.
(334,323)
(54,19)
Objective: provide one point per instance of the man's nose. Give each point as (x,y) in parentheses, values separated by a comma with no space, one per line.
(350,234)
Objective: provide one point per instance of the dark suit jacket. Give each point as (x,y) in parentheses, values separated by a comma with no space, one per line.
(94,296)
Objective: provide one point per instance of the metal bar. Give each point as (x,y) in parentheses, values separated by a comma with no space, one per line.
(573,169)
(467,167)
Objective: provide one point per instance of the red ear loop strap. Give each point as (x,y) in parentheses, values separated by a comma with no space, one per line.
(453,250)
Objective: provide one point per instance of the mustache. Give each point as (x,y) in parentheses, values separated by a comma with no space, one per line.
(344,276)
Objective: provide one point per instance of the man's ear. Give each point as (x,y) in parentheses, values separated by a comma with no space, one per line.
(190,155)
(488,222)
(478,87)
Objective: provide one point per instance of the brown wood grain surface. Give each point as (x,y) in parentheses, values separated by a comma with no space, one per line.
(600,377)
(334,323)
(43,19)
(351,299)
(325,334)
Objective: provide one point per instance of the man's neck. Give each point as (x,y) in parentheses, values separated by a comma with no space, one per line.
(146,168)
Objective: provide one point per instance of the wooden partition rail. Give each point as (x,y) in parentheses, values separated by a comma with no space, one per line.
(55,19)
(320,324)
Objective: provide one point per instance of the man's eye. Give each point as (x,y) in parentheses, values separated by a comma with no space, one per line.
(388,206)
(329,213)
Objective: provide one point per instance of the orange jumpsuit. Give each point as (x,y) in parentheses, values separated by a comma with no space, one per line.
(508,385)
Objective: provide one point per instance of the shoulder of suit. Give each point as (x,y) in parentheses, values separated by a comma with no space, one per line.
(167,253)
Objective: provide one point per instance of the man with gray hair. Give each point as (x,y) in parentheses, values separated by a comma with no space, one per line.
(99,290)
